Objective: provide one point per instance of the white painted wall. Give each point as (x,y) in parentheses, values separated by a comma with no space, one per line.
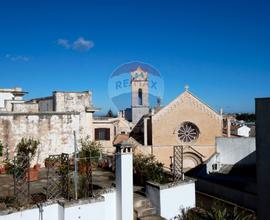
(110,206)
(50,212)
(213,160)
(103,209)
(172,199)
(5,96)
(88,211)
(234,150)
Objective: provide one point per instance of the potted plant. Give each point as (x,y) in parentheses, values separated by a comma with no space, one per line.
(147,168)
(26,150)
(89,155)
(37,166)
(52,163)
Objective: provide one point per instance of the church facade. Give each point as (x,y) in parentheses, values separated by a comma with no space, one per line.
(186,121)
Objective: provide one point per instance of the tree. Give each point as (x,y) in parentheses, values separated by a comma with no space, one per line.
(110,113)
(247,117)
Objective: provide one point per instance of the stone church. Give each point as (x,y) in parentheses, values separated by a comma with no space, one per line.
(185,121)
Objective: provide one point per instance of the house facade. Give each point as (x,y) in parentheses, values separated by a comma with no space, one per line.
(55,121)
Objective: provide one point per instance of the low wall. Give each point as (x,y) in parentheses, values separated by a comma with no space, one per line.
(169,199)
(245,199)
(102,208)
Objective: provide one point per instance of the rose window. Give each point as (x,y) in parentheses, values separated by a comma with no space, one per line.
(188,132)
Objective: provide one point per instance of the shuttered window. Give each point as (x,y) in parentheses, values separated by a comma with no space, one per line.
(102,134)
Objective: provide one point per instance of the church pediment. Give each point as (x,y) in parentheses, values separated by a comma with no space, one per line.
(187,98)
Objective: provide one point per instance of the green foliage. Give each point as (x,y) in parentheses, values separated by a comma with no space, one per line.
(27,147)
(247,117)
(148,168)
(217,212)
(110,113)
(187,214)
(89,148)
(9,166)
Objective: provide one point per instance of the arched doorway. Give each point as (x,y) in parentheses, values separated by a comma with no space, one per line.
(191,160)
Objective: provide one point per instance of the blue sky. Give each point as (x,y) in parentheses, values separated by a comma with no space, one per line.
(221,49)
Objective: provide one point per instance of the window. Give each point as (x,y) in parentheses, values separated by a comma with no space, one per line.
(214,167)
(140,99)
(188,132)
(102,134)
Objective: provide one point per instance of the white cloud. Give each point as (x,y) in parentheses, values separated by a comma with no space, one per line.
(64,43)
(17,58)
(80,44)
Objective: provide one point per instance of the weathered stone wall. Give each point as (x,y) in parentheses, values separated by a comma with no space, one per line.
(51,120)
(10,103)
(72,101)
(45,105)
(25,107)
(3,97)
(54,131)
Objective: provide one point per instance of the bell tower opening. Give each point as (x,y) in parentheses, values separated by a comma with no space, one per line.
(140,97)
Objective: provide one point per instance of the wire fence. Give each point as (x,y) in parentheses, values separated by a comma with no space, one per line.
(64,176)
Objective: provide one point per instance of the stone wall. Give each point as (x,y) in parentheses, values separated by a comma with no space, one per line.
(52,120)
(54,131)
(25,107)
(45,105)
(72,101)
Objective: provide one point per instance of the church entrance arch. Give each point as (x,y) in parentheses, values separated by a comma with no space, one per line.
(191,160)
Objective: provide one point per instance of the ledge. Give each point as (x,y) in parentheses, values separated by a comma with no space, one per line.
(187,180)
(37,113)
(62,202)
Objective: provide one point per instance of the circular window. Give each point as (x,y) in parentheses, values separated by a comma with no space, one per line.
(188,132)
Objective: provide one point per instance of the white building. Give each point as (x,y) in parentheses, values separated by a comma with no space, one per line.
(243,131)
(8,96)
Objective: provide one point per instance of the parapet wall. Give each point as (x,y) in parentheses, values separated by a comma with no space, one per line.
(102,208)
(236,150)
(54,131)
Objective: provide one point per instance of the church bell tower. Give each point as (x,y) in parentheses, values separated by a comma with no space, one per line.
(139,90)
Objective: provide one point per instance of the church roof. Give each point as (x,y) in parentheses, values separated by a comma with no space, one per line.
(196,102)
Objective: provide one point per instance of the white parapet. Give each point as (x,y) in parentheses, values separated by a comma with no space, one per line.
(170,199)
(124,183)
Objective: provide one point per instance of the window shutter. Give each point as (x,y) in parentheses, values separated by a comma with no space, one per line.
(96,134)
(107,134)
